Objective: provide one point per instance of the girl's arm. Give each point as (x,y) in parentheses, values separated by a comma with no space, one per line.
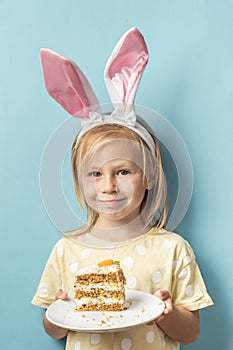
(53,330)
(177,322)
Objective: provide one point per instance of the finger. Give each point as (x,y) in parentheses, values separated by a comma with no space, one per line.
(163,294)
(61,295)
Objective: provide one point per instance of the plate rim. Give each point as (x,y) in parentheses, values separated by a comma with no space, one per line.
(103,329)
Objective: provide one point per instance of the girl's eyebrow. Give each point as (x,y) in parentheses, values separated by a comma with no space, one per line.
(93,166)
(118,164)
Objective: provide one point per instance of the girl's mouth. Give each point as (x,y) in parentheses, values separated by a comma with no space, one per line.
(111,202)
(116,199)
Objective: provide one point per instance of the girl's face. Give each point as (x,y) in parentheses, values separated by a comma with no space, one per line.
(113,182)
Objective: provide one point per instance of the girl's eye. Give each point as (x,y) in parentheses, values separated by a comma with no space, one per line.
(95,174)
(123,172)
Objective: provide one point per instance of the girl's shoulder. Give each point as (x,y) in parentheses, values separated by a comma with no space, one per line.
(168,238)
(65,243)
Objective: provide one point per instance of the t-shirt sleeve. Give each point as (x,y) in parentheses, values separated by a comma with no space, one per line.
(189,290)
(50,282)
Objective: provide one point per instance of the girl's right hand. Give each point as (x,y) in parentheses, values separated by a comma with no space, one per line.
(53,330)
(61,295)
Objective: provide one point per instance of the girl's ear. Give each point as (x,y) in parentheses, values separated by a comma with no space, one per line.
(124,70)
(151,177)
(149,182)
(66,83)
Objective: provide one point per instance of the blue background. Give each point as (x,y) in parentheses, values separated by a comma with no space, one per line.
(188,80)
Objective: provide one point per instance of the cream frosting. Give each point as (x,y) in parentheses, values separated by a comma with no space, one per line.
(95,269)
(94,301)
(97,286)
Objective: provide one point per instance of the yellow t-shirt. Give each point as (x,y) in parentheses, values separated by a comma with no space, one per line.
(152,261)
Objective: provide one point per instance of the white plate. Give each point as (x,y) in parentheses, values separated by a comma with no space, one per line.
(142,308)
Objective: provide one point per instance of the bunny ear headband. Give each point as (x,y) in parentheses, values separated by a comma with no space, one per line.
(66,83)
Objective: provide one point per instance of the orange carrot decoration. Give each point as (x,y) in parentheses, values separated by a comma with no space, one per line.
(106,262)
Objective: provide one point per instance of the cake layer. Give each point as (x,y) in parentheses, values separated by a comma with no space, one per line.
(106,286)
(114,277)
(99,292)
(99,304)
(100,307)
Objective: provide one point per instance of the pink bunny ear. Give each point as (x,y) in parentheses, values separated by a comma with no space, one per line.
(66,83)
(125,67)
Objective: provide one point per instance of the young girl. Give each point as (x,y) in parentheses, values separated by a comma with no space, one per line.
(118,176)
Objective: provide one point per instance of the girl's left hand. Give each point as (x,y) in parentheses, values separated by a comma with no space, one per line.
(178,323)
(164,295)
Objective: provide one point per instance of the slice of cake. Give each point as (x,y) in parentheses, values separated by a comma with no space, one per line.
(100,287)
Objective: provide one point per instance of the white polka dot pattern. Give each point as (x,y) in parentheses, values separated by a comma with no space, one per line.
(189,291)
(156,276)
(131,282)
(167,243)
(127,262)
(141,249)
(85,253)
(202,305)
(73,267)
(126,344)
(60,252)
(95,339)
(150,336)
(162,231)
(77,345)
(187,260)
(43,288)
(174,265)
(182,273)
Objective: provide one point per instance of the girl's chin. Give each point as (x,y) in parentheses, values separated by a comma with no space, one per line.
(124,218)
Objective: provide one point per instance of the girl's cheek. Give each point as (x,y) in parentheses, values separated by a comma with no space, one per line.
(89,189)
(125,187)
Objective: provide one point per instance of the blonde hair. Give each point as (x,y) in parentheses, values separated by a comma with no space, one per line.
(155,199)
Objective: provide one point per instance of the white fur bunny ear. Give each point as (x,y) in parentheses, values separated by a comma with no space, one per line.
(66,83)
(124,70)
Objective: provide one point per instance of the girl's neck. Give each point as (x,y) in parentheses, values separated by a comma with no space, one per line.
(119,233)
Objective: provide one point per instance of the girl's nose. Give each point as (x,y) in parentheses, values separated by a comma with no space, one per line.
(109,184)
